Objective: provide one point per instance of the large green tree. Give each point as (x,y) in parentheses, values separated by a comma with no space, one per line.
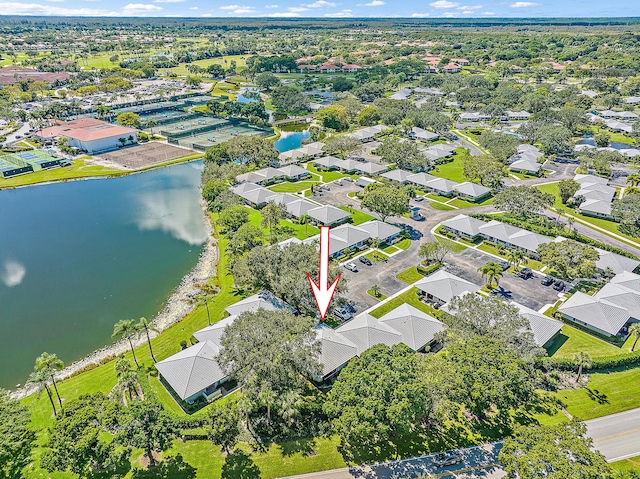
(485,169)
(627,212)
(569,258)
(269,353)
(289,99)
(567,188)
(145,425)
(553,452)
(224,424)
(386,200)
(78,441)
(404,154)
(16,437)
(233,217)
(523,201)
(377,400)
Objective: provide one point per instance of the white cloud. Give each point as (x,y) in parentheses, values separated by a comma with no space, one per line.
(297,9)
(55,1)
(239,9)
(17,8)
(194,8)
(444,4)
(13,273)
(168,1)
(374,3)
(419,15)
(523,4)
(469,8)
(133,9)
(319,4)
(343,14)
(229,7)
(271,6)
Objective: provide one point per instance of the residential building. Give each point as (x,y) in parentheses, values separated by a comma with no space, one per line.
(328,215)
(397,175)
(544,328)
(422,134)
(472,191)
(442,286)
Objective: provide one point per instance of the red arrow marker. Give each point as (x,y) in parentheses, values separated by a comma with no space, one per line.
(322,292)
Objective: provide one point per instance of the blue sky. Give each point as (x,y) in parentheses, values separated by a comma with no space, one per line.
(326,8)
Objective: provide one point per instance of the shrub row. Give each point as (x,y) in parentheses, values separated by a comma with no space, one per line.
(597,364)
(543,230)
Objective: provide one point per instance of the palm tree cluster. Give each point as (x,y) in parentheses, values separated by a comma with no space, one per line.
(130,330)
(492,271)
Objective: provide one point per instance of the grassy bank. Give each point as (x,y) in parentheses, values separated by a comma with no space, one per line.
(81,169)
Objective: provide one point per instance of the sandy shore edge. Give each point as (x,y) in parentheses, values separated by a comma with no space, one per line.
(177,306)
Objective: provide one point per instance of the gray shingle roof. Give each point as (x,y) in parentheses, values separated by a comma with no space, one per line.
(192,370)
(617,262)
(599,313)
(416,327)
(378,229)
(214,332)
(262,300)
(397,175)
(365,331)
(421,179)
(621,296)
(542,327)
(445,286)
(465,224)
(335,349)
(473,190)
(327,214)
(628,279)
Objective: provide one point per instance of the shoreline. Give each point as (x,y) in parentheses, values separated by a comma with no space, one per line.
(175,308)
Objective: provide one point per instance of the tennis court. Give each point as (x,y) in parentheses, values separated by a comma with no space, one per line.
(27,162)
(206,140)
(192,127)
(147,154)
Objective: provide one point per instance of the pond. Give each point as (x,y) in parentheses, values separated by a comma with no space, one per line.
(77,257)
(613,144)
(290,140)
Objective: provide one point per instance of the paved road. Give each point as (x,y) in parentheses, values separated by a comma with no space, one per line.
(20,132)
(477,462)
(616,436)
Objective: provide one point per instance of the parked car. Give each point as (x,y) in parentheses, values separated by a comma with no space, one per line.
(447,459)
(559,285)
(342,313)
(338,182)
(504,265)
(365,260)
(351,267)
(525,273)
(547,281)
(419,198)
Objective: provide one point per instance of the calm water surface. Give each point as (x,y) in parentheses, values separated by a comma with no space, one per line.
(77,257)
(290,140)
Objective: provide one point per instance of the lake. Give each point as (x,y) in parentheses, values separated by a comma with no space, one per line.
(77,257)
(290,140)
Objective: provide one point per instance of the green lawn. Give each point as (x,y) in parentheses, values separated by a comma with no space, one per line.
(607,393)
(440,206)
(460,203)
(410,275)
(376,256)
(572,340)
(410,297)
(357,217)
(631,464)
(328,176)
(78,170)
(453,246)
(292,187)
(403,244)
(614,136)
(451,171)
(380,297)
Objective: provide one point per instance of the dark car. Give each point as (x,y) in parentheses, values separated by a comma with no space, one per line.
(365,260)
(504,265)
(559,285)
(547,281)
(525,273)
(447,459)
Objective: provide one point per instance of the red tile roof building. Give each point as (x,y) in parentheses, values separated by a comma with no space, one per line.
(90,135)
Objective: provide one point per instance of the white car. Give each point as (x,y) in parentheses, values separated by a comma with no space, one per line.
(351,267)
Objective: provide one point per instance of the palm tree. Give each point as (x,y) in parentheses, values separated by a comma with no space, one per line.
(516,258)
(305,220)
(375,289)
(267,397)
(127,329)
(633,179)
(493,272)
(146,325)
(150,123)
(41,380)
(49,365)
(635,330)
(582,360)
(289,406)
(127,380)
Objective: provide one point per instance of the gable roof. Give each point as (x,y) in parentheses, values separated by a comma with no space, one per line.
(628,279)
(192,370)
(380,230)
(474,190)
(420,178)
(416,327)
(397,175)
(445,286)
(327,161)
(543,327)
(335,349)
(465,224)
(327,214)
(599,313)
(214,331)
(621,296)
(262,300)
(365,331)
(617,262)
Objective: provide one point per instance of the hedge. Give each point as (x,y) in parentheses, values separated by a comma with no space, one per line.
(552,232)
(597,364)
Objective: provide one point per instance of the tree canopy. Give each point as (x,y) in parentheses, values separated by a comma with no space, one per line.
(386,200)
